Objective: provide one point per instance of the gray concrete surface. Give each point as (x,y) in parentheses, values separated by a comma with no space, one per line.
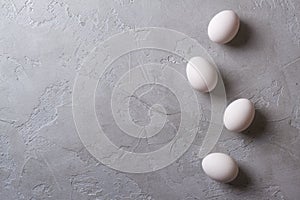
(43,44)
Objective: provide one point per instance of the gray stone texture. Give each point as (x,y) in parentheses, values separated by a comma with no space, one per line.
(43,44)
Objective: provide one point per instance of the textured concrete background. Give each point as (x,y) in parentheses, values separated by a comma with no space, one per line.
(42,46)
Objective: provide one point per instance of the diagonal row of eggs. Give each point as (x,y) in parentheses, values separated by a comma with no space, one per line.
(203,76)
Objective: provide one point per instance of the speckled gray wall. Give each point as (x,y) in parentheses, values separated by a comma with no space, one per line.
(43,44)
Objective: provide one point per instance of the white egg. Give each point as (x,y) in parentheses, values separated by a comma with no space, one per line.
(223,26)
(239,115)
(201,74)
(220,167)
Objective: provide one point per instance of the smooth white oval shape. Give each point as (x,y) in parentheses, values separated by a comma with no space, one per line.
(223,27)
(220,167)
(239,115)
(201,74)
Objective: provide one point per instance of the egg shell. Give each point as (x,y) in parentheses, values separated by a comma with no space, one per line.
(220,167)
(201,74)
(239,115)
(223,27)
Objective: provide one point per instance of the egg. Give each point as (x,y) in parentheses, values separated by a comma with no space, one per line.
(201,74)
(239,115)
(220,167)
(223,26)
